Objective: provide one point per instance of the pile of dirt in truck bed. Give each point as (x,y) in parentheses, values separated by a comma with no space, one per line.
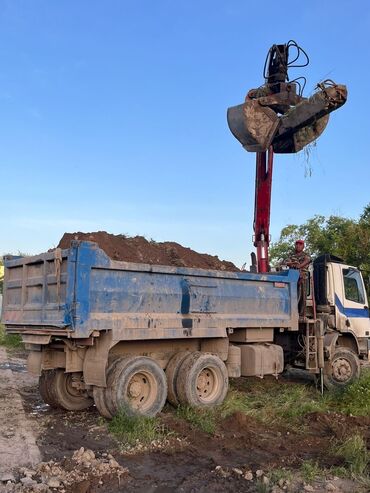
(139,249)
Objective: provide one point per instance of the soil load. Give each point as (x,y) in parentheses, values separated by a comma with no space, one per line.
(139,249)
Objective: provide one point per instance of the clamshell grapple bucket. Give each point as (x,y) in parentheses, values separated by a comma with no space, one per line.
(258,123)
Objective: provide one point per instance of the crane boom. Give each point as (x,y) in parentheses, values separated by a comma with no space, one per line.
(276,119)
(261,224)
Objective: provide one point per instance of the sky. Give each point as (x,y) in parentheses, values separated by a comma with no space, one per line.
(113,117)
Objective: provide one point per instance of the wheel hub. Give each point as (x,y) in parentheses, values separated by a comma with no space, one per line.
(342,370)
(141,390)
(135,389)
(206,384)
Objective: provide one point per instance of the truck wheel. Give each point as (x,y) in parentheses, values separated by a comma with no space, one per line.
(46,384)
(342,369)
(101,396)
(202,380)
(66,396)
(172,371)
(138,386)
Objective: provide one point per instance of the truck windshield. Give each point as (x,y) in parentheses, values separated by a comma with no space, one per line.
(353,287)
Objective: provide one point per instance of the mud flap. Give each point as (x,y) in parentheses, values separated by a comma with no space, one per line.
(34,360)
(96,360)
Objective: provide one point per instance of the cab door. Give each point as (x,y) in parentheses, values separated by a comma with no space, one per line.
(351,303)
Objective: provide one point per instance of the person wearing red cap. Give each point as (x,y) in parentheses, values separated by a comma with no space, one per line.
(300,260)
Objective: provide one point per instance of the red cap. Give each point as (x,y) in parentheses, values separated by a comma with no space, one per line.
(300,241)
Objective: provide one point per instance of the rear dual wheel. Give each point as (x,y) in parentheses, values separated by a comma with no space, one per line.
(138,385)
(197,379)
(63,390)
(101,400)
(46,386)
(135,384)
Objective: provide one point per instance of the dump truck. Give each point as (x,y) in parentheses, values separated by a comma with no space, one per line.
(132,335)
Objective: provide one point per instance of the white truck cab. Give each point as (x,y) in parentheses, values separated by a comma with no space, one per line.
(342,301)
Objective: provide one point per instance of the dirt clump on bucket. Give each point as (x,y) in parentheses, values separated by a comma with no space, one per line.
(139,249)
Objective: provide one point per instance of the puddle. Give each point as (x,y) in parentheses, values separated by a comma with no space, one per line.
(17,367)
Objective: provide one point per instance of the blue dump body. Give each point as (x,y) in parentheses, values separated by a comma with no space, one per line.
(81,290)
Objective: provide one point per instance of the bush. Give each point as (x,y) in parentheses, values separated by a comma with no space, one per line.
(10,341)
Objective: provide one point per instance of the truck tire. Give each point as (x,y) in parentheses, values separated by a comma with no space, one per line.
(101,396)
(46,384)
(172,371)
(343,368)
(202,380)
(138,386)
(66,396)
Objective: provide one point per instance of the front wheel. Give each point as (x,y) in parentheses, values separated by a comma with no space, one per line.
(343,368)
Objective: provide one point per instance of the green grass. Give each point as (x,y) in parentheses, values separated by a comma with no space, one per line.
(235,402)
(276,403)
(279,474)
(339,471)
(206,419)
(282,404)
(310,470)
(354,399)
(354,454)
(131,430)
(10,341)
(202,419)
(262,487)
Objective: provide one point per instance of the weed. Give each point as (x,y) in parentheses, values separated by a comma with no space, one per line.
(202,418)
(235,402)
(10,341)
(262,487)
(101,421)
(130,430)
(298,400)
(272,403)
(355,398)
(354,453)
(311,470)
(279,474)
(339,471)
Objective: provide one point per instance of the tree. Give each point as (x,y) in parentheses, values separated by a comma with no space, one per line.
(346,238)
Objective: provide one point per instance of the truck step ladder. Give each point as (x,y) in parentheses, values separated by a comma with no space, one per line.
(311,347)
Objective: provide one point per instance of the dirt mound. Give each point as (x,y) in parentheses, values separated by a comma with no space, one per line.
(139,249)
(83,472)
(338,425)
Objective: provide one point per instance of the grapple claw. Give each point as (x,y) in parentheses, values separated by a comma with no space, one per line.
(274,115)
(253,125)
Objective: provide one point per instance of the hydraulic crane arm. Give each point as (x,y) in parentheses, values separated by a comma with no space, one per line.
(276,119)
(261,224)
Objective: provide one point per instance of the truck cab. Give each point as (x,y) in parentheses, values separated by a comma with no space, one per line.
(334,325)
(341,301)
(337,309)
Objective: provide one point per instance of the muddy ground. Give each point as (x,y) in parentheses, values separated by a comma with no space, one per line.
(191,460)
(139,249)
